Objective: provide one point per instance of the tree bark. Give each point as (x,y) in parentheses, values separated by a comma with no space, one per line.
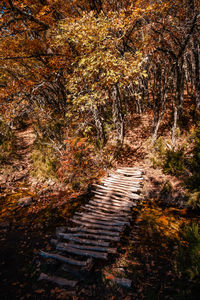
(197,66)
(118,116)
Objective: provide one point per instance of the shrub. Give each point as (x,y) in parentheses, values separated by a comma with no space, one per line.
(166,191)
(194,200)
(157,151)
(194,181)
(188,262)
(174,163)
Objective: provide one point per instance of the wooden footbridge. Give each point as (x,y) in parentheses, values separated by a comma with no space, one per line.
(97,227)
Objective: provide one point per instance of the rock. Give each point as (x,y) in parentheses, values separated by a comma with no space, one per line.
(26,201)
(123,282)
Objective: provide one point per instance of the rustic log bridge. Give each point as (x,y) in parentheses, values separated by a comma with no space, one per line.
(98,224)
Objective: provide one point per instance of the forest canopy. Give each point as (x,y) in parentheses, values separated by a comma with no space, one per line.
(90,63)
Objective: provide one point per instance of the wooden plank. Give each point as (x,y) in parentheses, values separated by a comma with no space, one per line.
(109,206)
(108,201)
(58,280)
(102,208)
(112,200)
(123,180)
(115,198)
(95,220)
(136,179)
(131,175)
(104,193)
(79,252)
(95,231)
(120,202)
(121,183)
(124,194)
(86,247)
(111,203)
(101,202)
(109,214)
(97,216)
(131,168)
(133,172)
(114,187)
(104,189)
(97,226)
(71,237)
(122,188)
(64,259)
(94,236)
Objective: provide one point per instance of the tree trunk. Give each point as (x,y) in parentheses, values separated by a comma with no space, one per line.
(178,102)
(197,66)
(98,124)
(118,116)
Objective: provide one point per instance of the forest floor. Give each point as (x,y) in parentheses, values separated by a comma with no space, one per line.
(147,252)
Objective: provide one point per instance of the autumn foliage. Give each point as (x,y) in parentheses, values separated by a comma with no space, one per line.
(91,63)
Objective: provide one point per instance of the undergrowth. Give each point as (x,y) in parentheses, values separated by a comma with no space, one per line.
(188,254)
(187,264)
(81,163)
(174,162)
(7,145)
(45,160)
(182,161)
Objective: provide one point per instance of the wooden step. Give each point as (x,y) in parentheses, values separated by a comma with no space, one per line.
(58,280)
(136,179)
(86,247)
(131,172)
(117,189)
(123,189)
(96,216)
(103,208)
(103,204)
(110,201)
(97,226)
(116,192)
(95,231)
(78,252)
(94,236)
(108,214)
(117,206)
(131,168)
(124,181)
(97,221)
(115,198)
(121,183)
(66,260)
(71,237)
(127,174)
(113,202)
